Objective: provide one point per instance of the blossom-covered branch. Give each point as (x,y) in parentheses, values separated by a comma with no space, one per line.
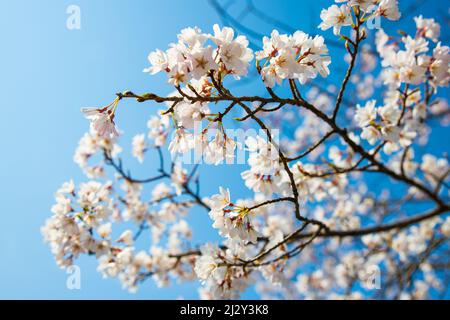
(337,194)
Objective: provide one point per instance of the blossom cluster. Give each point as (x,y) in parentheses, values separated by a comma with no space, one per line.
(297,56)
(83,220)
(387,128)
(337,17)
(401,119)
(191,57)
(415,64)
(266,174)
(232,220)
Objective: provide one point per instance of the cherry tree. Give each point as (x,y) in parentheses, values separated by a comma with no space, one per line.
(339,204)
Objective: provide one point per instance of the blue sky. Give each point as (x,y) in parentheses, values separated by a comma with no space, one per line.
(47,73)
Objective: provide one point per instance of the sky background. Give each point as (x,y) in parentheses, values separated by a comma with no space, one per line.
(48,73)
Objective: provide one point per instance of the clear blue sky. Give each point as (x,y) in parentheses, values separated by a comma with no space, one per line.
(47,73)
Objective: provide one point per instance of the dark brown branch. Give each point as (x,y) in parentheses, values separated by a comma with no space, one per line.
(314,147)
(385,227)
(354,54)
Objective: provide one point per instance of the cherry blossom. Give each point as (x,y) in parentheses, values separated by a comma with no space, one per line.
(296,56)
(335,17)
(389,9)
(233,54)
(102,122)
(341,180)
(139,146)
(428,28)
